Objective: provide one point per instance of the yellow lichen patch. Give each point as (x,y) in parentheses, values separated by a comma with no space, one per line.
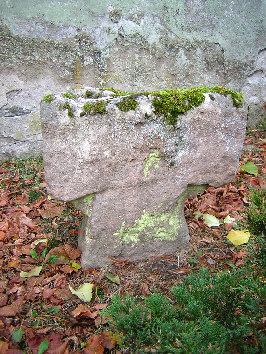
(155,226)
(152,161)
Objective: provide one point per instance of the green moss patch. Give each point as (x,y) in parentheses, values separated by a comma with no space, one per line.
(67,106)
(127,104)
(69,95)
(95,108)
(48,98)
(173,102)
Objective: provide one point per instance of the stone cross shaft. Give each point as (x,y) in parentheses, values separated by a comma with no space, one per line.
(129,165)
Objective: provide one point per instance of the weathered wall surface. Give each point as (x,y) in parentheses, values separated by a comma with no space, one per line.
(54,45)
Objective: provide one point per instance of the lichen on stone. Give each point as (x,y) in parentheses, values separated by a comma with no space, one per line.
(85,204)
(151,161)
(153,226)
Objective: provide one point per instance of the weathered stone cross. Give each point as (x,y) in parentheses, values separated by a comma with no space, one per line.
(129,161)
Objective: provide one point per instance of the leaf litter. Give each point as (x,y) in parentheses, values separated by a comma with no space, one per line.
(38,311)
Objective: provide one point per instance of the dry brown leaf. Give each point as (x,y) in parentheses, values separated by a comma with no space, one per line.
(3,299)
(51,211)
(73,253)
(3,285)
(94,345)
(144,289)
(63,294)
(181,271)
(108,340)
(22,199)
(13,309)
(99,307)
(60,281)
(67,269)
(83,311)
(4,226)
(4,198)
(47,292)
(3,236)
(3,347)
(58,251)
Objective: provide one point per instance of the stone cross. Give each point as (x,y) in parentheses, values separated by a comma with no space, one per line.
(129,161)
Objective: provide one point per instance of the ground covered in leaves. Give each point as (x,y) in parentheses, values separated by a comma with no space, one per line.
(40,262)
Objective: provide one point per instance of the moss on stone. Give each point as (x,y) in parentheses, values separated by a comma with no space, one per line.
(173,102)
(127,104)
(48,98)
(67,106)
(152,161)
(69,95)
(88,94)
(98,107)
(117,93)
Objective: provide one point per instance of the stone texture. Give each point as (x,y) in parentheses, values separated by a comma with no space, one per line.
(129,172)
(51,46)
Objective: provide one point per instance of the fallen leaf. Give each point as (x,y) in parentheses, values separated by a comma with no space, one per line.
(99,307)
(75,265)
(250,168)
(73,253)
(108,340)
(67,269)
(3,299)
(44,240)
(238,237)
(43,346)
(3,170)
(210,220)
(22,199)
(83,311)
(114,278)
(2,236)
(48,292)
(229,220)
(94,345)
(13,309)
(144,289)
(181,271)
(17,335)
(84,292)
(23,219)
(57,251)
(3,347)
(51,211)
(32,273)
(197,214)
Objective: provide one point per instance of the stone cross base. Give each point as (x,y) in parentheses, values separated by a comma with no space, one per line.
(128,162)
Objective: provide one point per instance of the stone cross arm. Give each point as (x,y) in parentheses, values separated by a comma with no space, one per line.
(129,161)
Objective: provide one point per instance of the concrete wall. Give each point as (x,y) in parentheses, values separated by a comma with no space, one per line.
(48,46)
